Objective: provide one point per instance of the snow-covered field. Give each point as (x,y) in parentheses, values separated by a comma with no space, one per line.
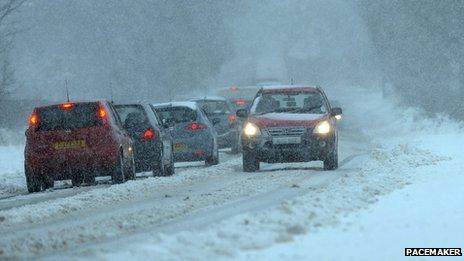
(399,185)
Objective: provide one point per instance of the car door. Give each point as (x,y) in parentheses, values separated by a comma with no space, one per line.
(165,133)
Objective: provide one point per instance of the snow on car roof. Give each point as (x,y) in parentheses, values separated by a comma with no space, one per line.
(189,104)
(209,97)
(289,87)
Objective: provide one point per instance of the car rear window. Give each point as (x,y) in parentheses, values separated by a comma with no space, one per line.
(125,110)
(176,114)
(81,115)
(214,107)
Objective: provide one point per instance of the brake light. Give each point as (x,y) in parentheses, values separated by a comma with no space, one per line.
(34,119)
(196,126)
(67,105)
(102,115)
(232,118)
(149,134)
(233,88)
(240,102)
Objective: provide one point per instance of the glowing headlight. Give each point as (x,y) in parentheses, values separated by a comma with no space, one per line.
(322,127)
(338,117)
(251,130)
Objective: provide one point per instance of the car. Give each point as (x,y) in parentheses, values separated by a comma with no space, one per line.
(77,141)
(193,134)
(152,142)
(228,127)
(240,96)
(289,124)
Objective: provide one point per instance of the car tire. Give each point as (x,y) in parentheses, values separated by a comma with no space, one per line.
(118,172)
(130,170)
(235,149)
(48,183)
(77,180)
(331,160)
(170,168)
(89,178)
(159,169)
(34,184)
(250,161)
(213,159)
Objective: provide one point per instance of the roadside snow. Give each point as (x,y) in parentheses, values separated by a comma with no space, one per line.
(12,179)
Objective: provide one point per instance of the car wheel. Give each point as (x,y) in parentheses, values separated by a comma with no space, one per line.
(48,183)
(235,149)
(250,161)
(331,160)
(77,180)
(130,169)
(89,179)
(170,168)
(213,159)
(34,184)
(118,171)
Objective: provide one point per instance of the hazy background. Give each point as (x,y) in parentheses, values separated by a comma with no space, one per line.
(413,49)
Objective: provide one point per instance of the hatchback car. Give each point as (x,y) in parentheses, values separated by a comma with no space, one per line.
(77,141)
(152,142)
(193,134)
(290,124)
(227,128)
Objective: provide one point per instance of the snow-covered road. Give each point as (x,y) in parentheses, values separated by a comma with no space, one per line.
(219,211)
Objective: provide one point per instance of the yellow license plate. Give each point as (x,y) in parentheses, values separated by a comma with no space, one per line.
(72,144)
(179,147)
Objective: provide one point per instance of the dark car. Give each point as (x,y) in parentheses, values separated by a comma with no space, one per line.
(152,141)
(290,124)
(194,136)
(227,127)
(77,141)
(240,96)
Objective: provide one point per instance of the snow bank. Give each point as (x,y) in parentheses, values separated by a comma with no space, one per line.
(12,179)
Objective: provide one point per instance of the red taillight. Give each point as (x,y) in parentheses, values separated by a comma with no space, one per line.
(233,88)
(240,102)
(232,118)
(149,134)
(34,119)
(102,114)
(67,106)
(196,126)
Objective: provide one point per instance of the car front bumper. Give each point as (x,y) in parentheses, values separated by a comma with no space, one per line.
(311,147)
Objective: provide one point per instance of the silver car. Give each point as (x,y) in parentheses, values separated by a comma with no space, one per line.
(194,136)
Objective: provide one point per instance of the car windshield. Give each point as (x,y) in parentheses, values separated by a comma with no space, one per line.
(176,114)
(80,115)
(290,102)
(214,107)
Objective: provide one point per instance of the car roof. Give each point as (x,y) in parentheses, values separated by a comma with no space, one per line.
(209,98)
(103,101)
(189,104)
(289,88)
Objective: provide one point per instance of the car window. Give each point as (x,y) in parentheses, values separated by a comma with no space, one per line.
(124,111)
(214,107)
(176,114)
(294,102)
(80,115)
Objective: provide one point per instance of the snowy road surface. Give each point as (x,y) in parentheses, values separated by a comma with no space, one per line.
(222,212)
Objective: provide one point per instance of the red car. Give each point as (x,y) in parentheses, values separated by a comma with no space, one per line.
(77,141)
(289,124)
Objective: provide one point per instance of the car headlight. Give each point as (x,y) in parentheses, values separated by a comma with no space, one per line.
(338,117)
(251,130)
(322,127)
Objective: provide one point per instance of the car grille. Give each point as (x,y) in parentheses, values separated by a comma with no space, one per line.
(286,131)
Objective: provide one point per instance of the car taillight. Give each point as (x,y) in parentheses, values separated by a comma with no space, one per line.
(102,114)
(232,118)
(34,119)
(196,126)
(149,134)
(240,102)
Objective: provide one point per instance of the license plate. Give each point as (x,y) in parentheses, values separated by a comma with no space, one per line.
(72,144)
(179,147)
(286,140)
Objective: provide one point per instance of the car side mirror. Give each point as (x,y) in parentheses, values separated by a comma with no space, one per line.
(336,112)
(242,113)
(216,121)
